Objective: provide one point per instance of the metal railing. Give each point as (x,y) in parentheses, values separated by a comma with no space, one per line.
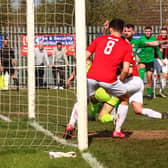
(14,35)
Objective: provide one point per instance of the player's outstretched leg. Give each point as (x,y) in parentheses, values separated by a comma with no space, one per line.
(70,127)
(138,109)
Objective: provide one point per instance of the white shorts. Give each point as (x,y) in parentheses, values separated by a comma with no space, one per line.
(165,68)
(113,89)
(135,88)
(157,66)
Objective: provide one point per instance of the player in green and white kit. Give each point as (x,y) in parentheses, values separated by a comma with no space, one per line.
(136,43)
(146,57)
(135,85)
(143,44)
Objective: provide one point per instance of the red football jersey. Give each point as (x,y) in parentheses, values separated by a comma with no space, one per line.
(134,66)
(110,51)
(135,69)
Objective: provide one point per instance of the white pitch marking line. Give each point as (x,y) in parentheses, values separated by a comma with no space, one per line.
(4,118)
(92,161)
(48,133)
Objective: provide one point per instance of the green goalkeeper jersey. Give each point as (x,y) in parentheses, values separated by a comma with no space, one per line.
(146,54)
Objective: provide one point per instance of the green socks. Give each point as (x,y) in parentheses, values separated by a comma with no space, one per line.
(142,73)
(149,91)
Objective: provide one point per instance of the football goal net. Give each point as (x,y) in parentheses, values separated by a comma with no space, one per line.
(35,99)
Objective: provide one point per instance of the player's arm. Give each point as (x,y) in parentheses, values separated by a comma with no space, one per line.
(128,59)
(90,50)
(71,78)
(160,55)
(159,52)
(155,43)
(130,70)
(88,56)
(125,71)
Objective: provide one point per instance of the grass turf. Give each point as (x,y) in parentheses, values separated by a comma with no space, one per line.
(23,146)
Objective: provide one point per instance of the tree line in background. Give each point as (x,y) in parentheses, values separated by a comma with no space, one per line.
(61,12)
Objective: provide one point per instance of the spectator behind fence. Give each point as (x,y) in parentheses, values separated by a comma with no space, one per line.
(40,58)
(59,60)
(7,60)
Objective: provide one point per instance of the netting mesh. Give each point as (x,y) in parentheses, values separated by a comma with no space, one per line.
(54,21)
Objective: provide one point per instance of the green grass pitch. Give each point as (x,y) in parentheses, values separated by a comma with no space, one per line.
(23,146)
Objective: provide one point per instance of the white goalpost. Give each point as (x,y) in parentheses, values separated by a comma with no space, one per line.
(33,115)
(31,56)
(80,21)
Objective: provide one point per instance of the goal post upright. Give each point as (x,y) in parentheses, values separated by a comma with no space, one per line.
(80,27)
(30,57)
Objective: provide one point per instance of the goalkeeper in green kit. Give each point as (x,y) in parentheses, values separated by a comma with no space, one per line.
(146,58)
(101,104)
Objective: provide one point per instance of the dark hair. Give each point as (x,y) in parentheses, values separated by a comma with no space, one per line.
(117,24)
(59,43)
(163,28)
(148,27)
(130,26)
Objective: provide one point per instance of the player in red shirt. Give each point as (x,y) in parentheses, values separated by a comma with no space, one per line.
(110,51)
(159,67)
(135,88)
